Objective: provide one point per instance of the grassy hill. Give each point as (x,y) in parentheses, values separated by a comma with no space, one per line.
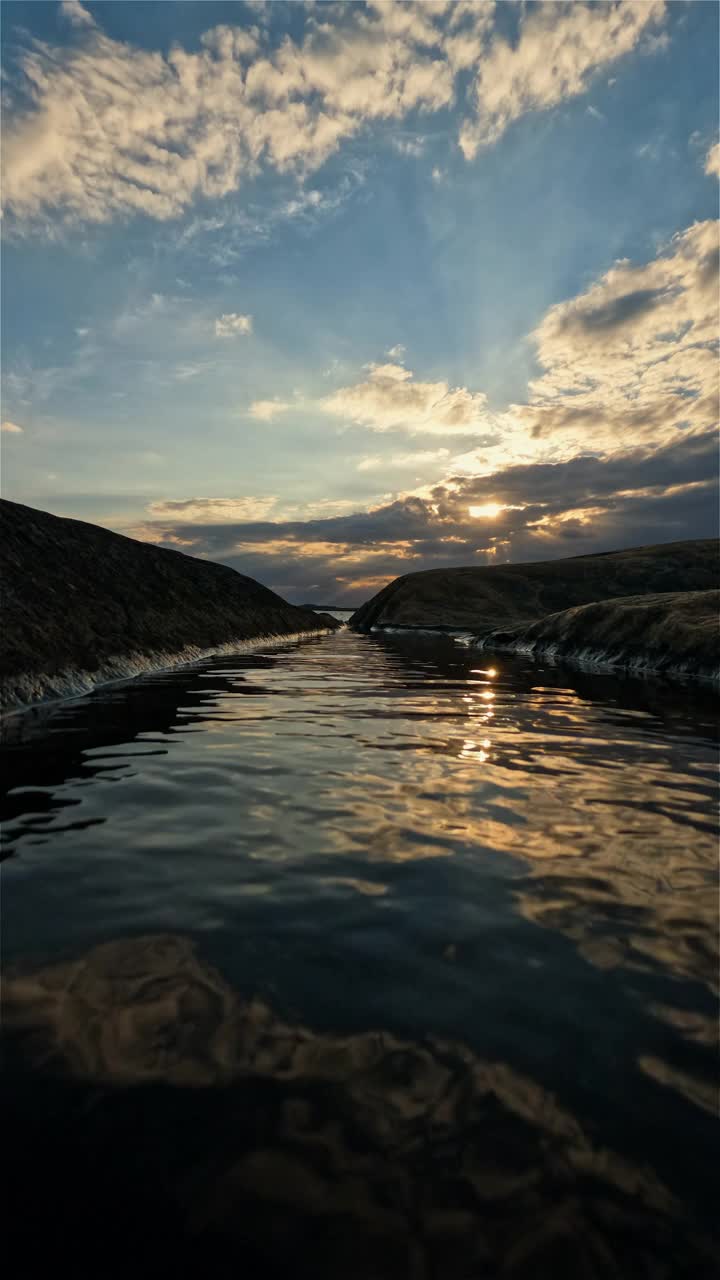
(483,598)
(81,605)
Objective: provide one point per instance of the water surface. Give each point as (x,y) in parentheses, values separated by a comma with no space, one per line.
(405,960)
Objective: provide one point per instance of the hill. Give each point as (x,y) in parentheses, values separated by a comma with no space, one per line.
(484,598)
(675,633)
(81,605)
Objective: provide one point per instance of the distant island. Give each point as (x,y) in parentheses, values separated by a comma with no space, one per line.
(82,605)
(644,608)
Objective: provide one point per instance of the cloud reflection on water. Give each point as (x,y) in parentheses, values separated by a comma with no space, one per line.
(350,822)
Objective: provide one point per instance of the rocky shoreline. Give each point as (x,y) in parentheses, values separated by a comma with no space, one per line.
(643,610)
(673,634)
(82,606)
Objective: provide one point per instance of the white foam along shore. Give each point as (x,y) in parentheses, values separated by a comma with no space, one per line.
(589,659)
(673,634)
(24,693)
(84,606)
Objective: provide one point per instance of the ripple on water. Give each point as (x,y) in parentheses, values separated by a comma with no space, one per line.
(501,877)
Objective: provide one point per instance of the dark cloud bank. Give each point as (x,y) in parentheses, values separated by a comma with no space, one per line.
(587,504)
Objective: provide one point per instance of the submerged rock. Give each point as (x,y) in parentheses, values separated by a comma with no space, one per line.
(82,605)
(674,633)
(149,1103)
(484,598)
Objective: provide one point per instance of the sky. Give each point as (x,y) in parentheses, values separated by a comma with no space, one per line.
(335,292)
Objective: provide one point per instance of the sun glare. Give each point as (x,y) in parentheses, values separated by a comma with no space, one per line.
(488,511)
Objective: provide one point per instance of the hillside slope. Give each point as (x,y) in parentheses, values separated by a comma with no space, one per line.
(674,633)
(81,605)
(486,597)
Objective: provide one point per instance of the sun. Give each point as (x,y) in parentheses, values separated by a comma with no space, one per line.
(488,511)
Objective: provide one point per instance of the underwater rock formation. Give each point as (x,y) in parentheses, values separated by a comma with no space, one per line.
(151,1106)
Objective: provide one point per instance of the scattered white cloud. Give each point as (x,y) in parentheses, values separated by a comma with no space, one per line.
(115,130)
(74,12)
(192,369)
(596,115)
(27,383)
(408,146)
(655,43)
(233,325)
(438,175)
(712,160)
(212,510)
(636,354)
(12,428)
(266,410)
(560,48)
(422,458)
(132,317)
(397,352)
(650,151)
(390,399)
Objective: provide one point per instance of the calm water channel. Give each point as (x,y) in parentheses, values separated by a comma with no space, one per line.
(367,957)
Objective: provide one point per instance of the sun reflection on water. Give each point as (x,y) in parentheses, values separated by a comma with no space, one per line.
(341,817)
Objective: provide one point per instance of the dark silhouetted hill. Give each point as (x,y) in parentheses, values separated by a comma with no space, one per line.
(81,605)
(483,598)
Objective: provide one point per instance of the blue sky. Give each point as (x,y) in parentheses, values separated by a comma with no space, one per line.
(332,292)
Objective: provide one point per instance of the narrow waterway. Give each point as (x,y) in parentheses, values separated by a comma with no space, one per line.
(366,956)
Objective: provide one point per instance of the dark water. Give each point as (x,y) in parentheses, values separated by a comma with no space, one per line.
(363,957)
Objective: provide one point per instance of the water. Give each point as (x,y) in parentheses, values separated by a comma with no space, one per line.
(365,956)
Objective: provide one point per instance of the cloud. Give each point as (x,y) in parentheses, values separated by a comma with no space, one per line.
(26,383)
(655,43)
(421,458)
(408,146)
(586,504)
(633,355)
(191,510)
(243,228)
(132,317)
(266,410)
(192,369)
(233,325)
(621,309)
(390,399)
(115,130)
(12,428)
(712,160)
(73,12)
(559,49)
